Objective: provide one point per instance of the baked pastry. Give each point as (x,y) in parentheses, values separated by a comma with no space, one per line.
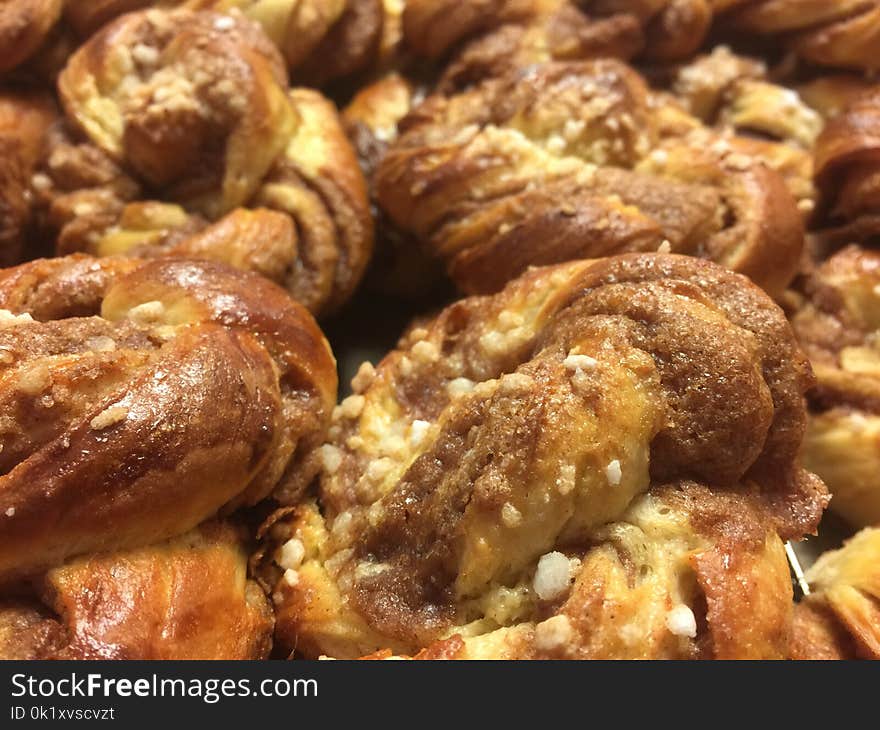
(570,160)
(186,598)
(598,461)
(736,95)
(24,27)
(836,315)
(490,37)
(399,265)
(321,40)
(838,34)
(840,619)
(177,118)
(518,29)
(847,171)
(25,118)
(141,399)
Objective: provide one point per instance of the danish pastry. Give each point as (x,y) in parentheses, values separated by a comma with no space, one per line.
(847,171)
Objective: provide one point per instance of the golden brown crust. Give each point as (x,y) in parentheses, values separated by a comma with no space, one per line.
(840,619)
(321,40)
(571,160)
(550,30)
(674,29)
(815,635)
(27,631)
(195,389)
(193,108)
(149,90)
(25,119)
(186,598)
(847,171)
(502,34)
(837,320)
(432,27)
(317,182)
(838,34)
(24,26)
(565,415)
(770,122)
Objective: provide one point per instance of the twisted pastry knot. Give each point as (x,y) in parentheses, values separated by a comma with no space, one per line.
(25,118)
(191,389)
(194,107)
(840,619)
(838,34)
(320,40)
(502,35)
(837,320)
(847,171)
(139,401)
(574,160)
(733,93)
(629,424)
(186,598)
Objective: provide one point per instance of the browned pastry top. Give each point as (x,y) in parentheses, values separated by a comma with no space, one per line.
(847,161)
(432,27)
(837,322)
(827,33)
(175,119)
(186,598)
(174,92)
(568,160)
(320,40)
(489,37)
(151,397)
(613,412)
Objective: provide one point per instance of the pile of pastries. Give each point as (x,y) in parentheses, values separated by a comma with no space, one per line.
(637,244)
